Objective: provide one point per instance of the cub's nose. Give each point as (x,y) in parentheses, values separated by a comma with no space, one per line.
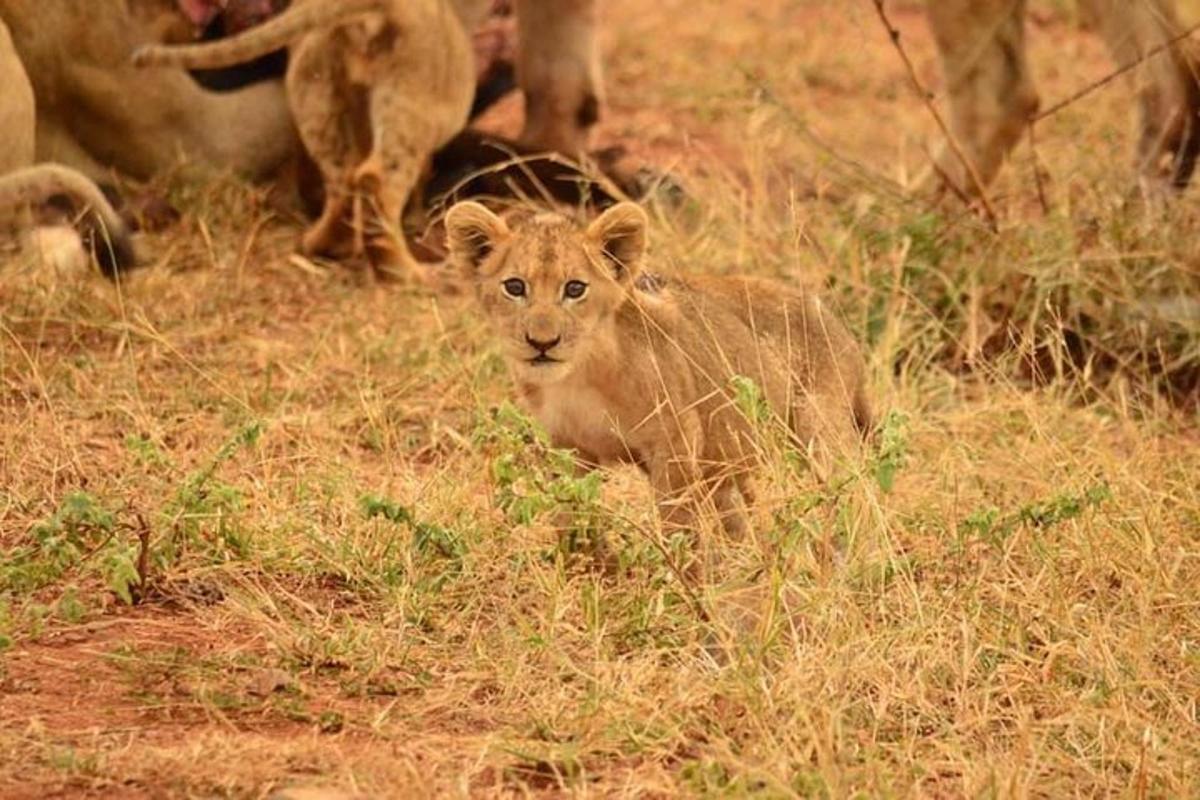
(542,345)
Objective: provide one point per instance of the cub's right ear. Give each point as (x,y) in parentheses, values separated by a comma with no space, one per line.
(620,233)
(472,233)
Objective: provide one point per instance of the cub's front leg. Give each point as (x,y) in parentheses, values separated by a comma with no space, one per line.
(672,445)
(578,531)
(676,481)
(678,490)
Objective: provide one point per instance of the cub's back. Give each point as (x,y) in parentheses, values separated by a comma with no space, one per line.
(781,336)
(807,325)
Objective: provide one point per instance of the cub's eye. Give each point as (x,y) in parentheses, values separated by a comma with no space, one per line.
(573,290)
(514,287)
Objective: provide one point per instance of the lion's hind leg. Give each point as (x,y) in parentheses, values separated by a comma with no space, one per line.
(403,144)
(329,118)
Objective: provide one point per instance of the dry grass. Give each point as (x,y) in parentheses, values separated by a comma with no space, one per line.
(1019,615)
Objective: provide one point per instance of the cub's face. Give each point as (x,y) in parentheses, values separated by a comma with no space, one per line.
(549,288)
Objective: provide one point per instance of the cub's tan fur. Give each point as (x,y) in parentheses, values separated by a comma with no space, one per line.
(97,112)
(375,87)
(23,185)
(992,96)
(639,369)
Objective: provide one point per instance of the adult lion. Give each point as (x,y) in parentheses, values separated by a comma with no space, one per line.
(992,97)
(26,184)
(96,111)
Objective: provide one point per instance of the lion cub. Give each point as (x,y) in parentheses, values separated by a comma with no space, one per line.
(23,185)
(623,366)
(375,87)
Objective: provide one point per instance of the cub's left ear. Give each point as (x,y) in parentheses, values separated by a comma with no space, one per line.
(620,233)
(472,233)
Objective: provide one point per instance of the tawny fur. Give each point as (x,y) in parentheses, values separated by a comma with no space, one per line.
(24,185)
(375,87)
(97,112)
(993,99)
(640,370)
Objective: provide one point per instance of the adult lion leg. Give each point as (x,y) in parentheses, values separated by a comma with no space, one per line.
(558,69)
(323,107)
(1167,84)
(390,188)
(404,141)
(992,97)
